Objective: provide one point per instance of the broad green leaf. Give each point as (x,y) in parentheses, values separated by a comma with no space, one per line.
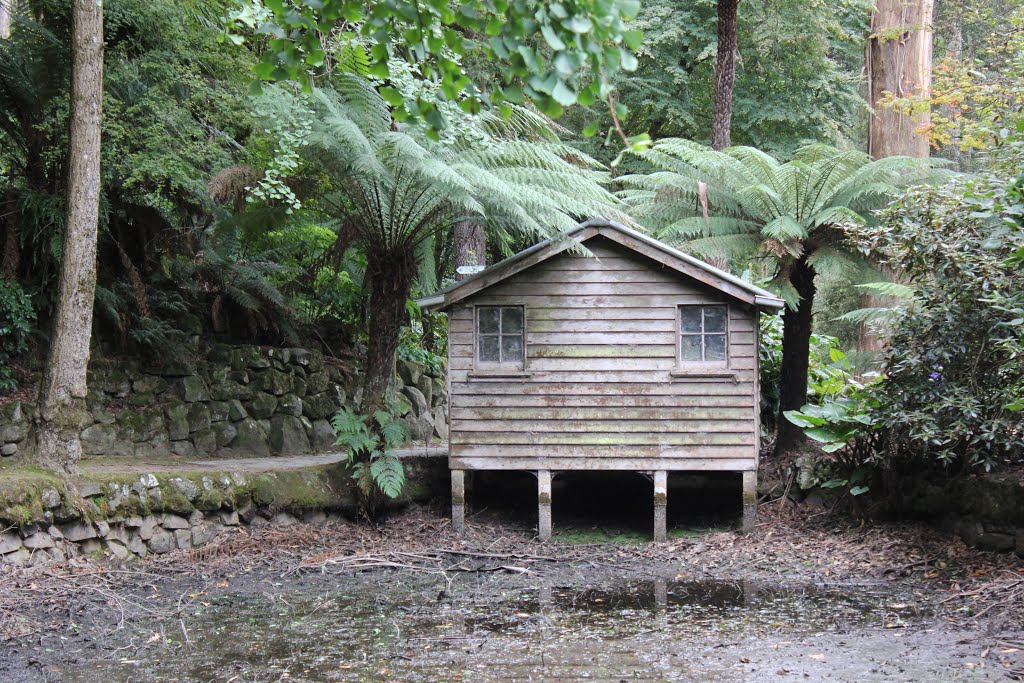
(552,39)
(563,94)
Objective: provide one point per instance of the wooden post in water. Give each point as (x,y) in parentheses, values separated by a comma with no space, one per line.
(749,501)
(544,504)
(458,501)
(660,506)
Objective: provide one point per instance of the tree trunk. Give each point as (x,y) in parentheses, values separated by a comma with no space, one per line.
(470,247)
(12,246)
(389,281)
(5,18)
(725,75)
(63,390)
(796,351)
(899,62)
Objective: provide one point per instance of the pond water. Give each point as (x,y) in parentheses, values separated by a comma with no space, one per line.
(400,627)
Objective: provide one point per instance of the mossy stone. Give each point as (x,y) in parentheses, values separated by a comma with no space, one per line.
(262,406)
(225,433)
(316,382)
(218,410)
(251,438)
(288,435)
(319,406)
(177,421)
(198,417)
(272,382)
(205,441)
(149,384)
(236,411)
(290,404)
(192,389)
(138,426)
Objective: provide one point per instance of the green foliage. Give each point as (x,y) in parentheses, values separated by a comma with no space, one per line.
(798,74)
(830,373)
(763,209)
(976,98)
(175,112)
(555,53)
(16,318)
(843,419)
(370,445)
(954,374)
(237,286)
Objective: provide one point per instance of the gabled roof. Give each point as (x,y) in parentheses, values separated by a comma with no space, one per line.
(627,237)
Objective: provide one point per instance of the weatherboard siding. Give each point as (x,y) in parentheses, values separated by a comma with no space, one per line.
(601,387)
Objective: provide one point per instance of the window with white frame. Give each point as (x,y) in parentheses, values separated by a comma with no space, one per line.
(500,341)
(704,335)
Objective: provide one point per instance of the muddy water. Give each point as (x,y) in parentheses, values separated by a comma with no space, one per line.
(397,627)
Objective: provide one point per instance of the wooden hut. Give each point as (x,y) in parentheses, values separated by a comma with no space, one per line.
(625,354)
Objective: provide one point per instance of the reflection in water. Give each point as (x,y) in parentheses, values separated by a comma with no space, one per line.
(487,630)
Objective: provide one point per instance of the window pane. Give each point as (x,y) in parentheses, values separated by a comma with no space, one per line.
(689,347)
(714,347)
(488,320)
(511,348)
(489,348)
(714,318)
(511,320)
(689,319)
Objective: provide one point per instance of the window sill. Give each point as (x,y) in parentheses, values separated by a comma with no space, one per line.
(703,373)
(498,374)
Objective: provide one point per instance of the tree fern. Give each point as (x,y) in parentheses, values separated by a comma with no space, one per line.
(792,216)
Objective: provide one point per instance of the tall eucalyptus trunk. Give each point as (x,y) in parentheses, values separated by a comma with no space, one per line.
(63,390)
(899,62)
(6,6)
(725,75)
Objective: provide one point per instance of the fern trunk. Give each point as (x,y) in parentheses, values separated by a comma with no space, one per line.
(796,351)
(63,391)
(389,278)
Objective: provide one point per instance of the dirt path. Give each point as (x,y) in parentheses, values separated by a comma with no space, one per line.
(806,598)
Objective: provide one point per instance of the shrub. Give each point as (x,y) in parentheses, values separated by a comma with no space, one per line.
(954,373)
(16,318)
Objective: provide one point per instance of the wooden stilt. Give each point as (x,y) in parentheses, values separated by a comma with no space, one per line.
(544,504)
(458,501)
(660,506)
(749,501)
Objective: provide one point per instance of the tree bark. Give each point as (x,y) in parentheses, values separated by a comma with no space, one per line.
(470,246)
(899,62)
(389,281)
(12,246)
(796,351)
(725,75)
(63,391)
(5,17)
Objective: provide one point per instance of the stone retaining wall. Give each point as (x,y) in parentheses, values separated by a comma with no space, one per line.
(985,511)
(42,519)
(241,400)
